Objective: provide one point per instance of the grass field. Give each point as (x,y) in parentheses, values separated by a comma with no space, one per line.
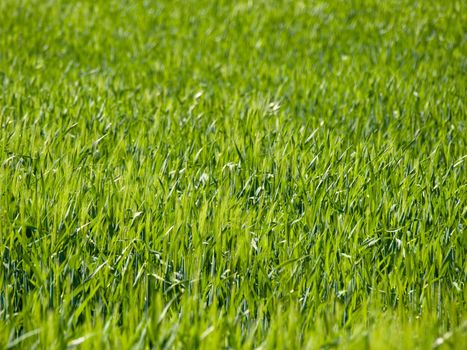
(233,174)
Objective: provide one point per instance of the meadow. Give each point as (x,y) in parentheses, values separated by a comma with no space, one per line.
(220,174)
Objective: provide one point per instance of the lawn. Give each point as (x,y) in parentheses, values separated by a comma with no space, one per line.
(262,174)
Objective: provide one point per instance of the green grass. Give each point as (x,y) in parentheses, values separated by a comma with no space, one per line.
(233,174)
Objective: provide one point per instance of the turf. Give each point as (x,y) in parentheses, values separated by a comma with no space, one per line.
(233,174)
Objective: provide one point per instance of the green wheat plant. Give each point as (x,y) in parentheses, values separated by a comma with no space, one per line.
(233,174)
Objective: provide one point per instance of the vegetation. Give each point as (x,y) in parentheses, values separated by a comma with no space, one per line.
(233,174)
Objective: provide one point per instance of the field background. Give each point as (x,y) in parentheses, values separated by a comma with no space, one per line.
(233,174)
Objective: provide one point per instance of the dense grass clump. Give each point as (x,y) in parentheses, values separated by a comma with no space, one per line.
(233,174)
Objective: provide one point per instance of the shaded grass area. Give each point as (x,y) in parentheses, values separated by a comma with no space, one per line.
(217,174)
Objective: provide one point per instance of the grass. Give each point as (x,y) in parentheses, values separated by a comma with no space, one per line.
(233,174)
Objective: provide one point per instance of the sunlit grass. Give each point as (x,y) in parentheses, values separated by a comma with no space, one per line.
(221,174)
